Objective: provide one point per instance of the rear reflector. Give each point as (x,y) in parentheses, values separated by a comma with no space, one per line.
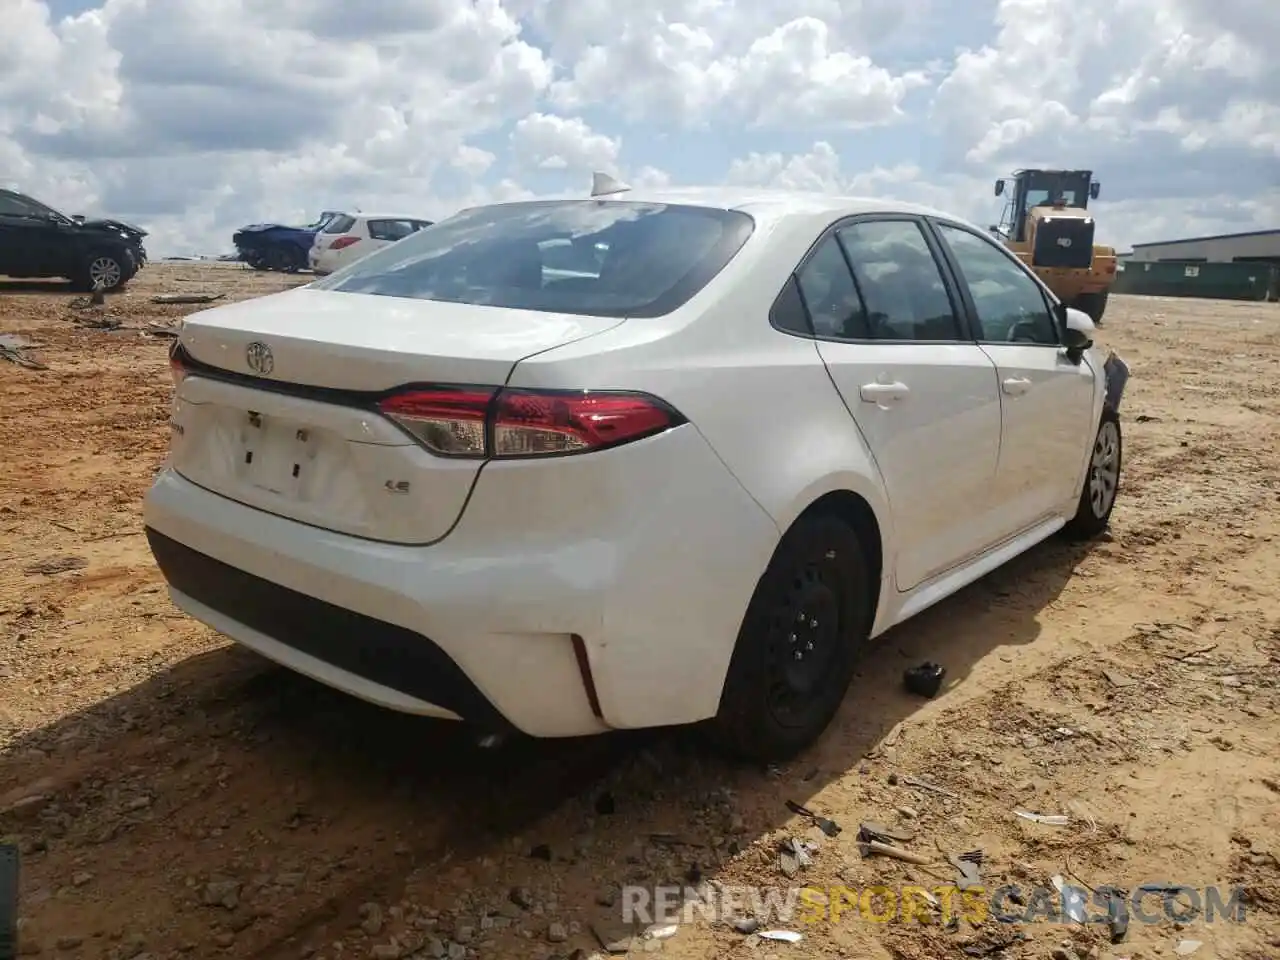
(503,423)
(343,242)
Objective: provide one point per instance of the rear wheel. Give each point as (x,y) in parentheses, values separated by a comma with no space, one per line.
(798,645)
(1101,481)
(1094,304)
(102,271)
(278,258)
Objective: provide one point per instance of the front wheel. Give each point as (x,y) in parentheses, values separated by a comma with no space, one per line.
(1101,481)
(102,271)
(798,644)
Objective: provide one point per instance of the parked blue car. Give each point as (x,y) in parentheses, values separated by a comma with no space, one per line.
(274,246)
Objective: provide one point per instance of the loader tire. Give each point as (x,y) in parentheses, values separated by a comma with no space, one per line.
(1094,304)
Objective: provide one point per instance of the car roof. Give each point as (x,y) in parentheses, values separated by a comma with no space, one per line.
(387,216)
(770,204)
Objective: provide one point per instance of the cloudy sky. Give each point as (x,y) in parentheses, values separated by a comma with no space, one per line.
(193,117)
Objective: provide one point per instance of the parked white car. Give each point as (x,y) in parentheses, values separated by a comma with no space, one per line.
(686,476)
(347,238)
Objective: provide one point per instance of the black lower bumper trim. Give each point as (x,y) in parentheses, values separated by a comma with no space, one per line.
(378,651)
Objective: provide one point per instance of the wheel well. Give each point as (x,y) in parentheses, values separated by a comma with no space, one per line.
(855,511)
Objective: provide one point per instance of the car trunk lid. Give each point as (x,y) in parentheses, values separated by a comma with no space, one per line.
(278,409)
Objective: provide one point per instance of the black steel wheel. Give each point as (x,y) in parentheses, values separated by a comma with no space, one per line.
(805,626)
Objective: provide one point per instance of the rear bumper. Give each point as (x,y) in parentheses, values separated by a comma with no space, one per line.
(548,609)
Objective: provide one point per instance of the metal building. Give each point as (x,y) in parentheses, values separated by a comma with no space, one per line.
(1260,245)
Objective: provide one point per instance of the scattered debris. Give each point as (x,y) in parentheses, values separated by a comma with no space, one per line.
(785,936)
(968,865)
(663,932)
(99,322)
(540,852)
(1049,820)
(605,804)
(795,855)
(745,925)
(871,848)
(13,347)
(826,825)
(874,831)
(56,565)
(924,680)
(187,297)
(919,784)
(1117,901)
(1072,900)
(1187,947)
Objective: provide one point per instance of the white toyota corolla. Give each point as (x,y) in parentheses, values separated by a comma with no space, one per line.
(686,474)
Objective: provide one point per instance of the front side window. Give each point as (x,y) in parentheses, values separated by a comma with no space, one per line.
(901,285)
(641,259)
(1010,305)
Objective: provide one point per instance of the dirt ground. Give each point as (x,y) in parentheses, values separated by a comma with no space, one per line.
(174,796)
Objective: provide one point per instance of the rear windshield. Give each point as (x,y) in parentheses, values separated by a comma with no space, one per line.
(340,224)
(590,258)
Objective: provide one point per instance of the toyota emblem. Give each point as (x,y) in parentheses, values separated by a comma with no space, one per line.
(258,356)
(1062,242)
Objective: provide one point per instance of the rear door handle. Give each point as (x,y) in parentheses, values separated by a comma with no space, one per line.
(1016,386)
(883,392)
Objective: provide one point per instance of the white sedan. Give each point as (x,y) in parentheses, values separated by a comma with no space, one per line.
(687,474)
(346,238)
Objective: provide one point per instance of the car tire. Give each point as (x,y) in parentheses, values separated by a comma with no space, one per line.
(813,601)
(1094,304)
(113,269)
(277,258)
(1101,480)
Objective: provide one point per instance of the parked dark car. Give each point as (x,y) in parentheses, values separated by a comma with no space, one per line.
(38,241)
(274,246)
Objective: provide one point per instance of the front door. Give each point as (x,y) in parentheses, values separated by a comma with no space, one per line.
(1047,399)
(923,395)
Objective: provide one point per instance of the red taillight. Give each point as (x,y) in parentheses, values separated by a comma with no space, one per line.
(343,242)
(477,422)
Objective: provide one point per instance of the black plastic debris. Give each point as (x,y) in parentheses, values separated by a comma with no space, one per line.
(605,804)
(826,825)
(541,852)
(924,680)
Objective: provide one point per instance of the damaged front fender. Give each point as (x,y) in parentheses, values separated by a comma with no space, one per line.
(1116,372)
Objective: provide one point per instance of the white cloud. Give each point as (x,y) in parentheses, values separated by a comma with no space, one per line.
(560,143)
(193,117)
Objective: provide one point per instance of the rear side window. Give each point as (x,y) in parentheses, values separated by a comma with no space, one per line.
(420,224)
(612,258)
(392,230)
(901,285)
(340,224)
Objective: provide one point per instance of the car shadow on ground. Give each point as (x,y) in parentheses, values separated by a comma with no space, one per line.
(27,287)
(224,753)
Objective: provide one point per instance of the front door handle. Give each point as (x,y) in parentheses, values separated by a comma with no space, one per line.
(1016,386)
(883,392)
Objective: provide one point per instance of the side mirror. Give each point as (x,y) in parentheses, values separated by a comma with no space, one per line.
(1094,189)
(1077,331)
(999,187)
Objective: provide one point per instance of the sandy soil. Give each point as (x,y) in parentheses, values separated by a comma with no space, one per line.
(175,796)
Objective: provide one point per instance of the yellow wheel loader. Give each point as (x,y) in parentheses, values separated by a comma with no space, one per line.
(1047,225)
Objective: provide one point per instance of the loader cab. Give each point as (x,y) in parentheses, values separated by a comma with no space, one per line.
(1042,188)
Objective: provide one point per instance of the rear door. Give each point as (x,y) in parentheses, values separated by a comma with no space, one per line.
(29,245)
(922,393)
(1047,399)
